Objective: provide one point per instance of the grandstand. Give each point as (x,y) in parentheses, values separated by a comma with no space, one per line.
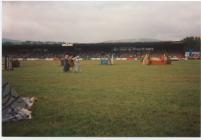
(95,50)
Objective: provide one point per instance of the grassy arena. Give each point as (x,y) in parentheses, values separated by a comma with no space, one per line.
(126,99)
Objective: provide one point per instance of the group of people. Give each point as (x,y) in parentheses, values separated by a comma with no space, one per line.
(71,61)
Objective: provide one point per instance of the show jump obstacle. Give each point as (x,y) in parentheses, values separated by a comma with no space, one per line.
(9,63)
(148,60)
(106,60)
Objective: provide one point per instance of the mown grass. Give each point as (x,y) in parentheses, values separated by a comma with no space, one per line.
(126,99)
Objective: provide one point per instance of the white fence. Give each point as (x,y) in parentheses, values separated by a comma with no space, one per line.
(33,59)
(121,59)
(51,59)
(115,59)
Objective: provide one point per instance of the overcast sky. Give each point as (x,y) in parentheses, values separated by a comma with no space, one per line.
(100,21)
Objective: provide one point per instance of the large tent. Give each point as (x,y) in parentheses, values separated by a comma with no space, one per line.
(15,107)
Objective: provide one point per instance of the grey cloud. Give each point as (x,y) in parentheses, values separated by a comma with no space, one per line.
(100,21)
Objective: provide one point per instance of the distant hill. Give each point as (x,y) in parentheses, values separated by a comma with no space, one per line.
(18,42)
(132,40)
(13,41)
(6,40)
(10,40)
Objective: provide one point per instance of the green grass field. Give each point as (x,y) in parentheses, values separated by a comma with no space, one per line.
(126,99)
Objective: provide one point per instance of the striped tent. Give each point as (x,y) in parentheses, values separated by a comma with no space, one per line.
(15,107)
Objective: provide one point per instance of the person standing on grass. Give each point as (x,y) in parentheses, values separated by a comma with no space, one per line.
(71,62)
(77,64)
(66,64)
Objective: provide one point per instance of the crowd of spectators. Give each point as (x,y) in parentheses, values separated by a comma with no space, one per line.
(82,54)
